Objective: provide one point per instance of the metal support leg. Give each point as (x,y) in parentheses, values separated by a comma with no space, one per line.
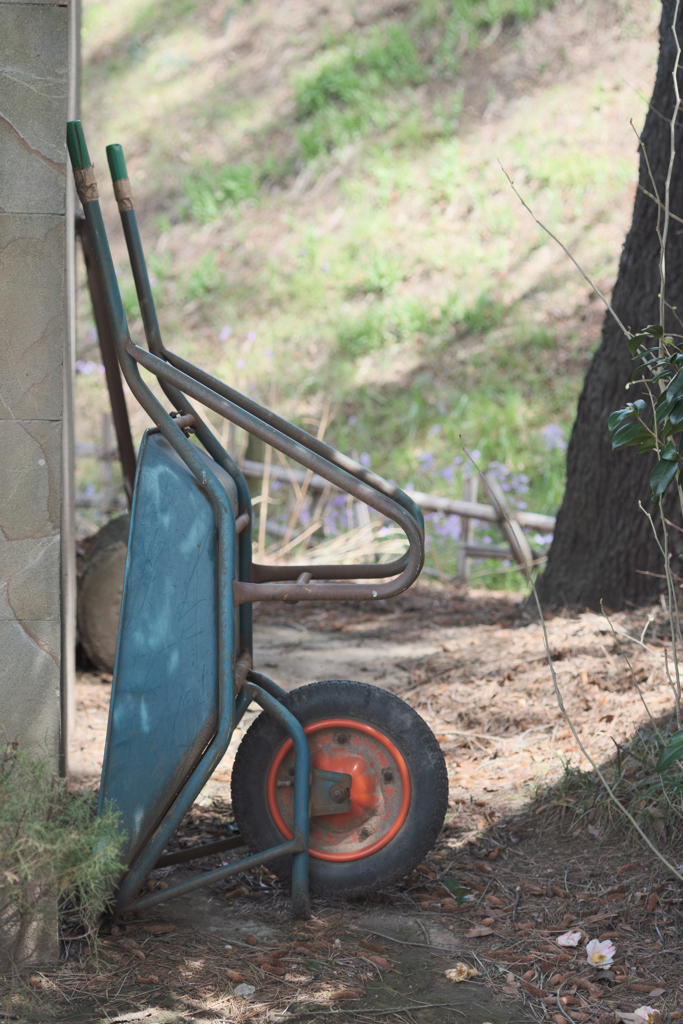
(301,907)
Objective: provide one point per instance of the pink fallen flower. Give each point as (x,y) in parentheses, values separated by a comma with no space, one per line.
(647,1014)
(569,939)
(600,954)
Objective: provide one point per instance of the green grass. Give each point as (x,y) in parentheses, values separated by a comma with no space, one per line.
(209,190)
(654,799)
(52,846)
(350,94)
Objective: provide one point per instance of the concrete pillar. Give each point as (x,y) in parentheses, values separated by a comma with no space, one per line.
(36,538)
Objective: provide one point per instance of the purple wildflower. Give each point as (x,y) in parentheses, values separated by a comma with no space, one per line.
(543,539)
(553,437)
(86,368)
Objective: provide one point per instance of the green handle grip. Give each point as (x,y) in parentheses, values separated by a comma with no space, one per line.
(117,164)
(75,141)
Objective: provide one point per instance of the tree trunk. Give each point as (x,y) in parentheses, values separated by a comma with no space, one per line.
(603,546)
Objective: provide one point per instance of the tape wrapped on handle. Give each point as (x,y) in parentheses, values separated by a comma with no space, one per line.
(86,184)
(124,194)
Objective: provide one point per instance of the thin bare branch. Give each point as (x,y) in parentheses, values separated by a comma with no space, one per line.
(669,174)
(567,253)
(659,201)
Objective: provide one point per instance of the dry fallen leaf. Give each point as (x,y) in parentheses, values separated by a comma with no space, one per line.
(596,918)
(151,980)
(132,948)
(652,902)
(374,946)
(160,929)
(533,989)
(562,893)
(239,891)
(251,940)
(477,931)
(272,969)
(461,972)
(349,993)
(234,975)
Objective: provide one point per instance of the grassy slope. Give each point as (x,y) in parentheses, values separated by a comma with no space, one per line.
(325,183)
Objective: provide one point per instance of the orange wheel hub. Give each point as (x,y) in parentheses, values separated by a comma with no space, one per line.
(380,789)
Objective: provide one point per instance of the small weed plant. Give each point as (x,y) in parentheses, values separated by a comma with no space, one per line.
(52,850)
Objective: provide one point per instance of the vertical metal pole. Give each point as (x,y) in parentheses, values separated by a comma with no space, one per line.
(469,493)
(301,906)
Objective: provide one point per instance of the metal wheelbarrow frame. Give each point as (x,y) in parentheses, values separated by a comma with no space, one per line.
(239,581)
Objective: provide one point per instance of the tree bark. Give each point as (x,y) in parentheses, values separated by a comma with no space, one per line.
(603,548)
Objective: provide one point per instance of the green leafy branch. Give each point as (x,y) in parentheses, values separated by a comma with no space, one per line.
(660,367)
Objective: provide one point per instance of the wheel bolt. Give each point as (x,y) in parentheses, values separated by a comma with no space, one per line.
(337,794)
(342,738)
(364,833)
(388,775)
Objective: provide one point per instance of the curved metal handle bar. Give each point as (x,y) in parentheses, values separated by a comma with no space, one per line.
(331,455)
(335,474)
(258,573)
(296,433)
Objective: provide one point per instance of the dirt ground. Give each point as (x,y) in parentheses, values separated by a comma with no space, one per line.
(530,842)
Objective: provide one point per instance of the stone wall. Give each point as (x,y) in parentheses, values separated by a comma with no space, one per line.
(36,552)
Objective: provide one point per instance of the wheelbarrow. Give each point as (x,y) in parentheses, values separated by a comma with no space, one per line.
(337,784)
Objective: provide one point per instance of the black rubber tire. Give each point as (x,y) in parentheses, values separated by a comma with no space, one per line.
(341,698)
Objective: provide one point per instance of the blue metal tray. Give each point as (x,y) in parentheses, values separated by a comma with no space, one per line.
(164,698)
